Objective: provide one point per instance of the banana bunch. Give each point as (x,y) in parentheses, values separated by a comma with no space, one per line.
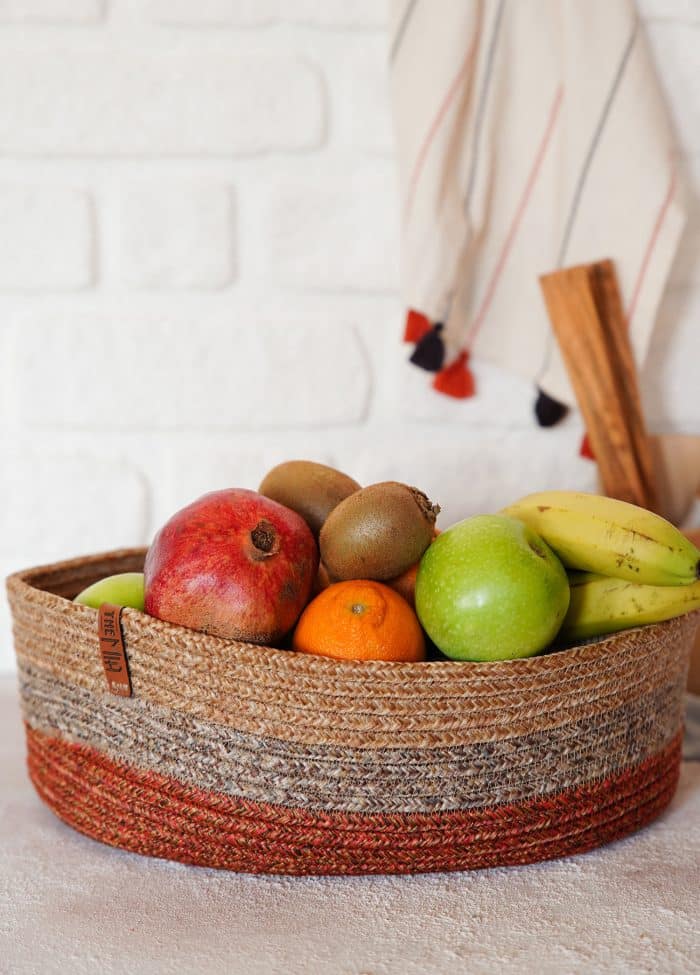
(633,567)
(601,605)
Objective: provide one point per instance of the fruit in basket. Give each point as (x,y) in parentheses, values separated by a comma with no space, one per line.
(322,581)
(124,589)
(609,537)
(489,588)
(377,532)
(234,564)
(360,619)
(312,490)
(602,605)
(405,584)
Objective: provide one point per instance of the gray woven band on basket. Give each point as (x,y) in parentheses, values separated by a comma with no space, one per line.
(480,774)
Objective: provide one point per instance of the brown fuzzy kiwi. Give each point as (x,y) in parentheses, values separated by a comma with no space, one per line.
(312,490)
(378,532)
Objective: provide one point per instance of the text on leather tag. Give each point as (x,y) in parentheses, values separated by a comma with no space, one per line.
(112,650)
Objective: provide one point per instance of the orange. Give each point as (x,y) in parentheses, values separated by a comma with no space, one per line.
(360,620)
(405,584)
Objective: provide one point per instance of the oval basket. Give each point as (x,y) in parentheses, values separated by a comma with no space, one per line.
(259,760)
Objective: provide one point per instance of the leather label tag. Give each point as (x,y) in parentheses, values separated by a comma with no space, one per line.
(112,650)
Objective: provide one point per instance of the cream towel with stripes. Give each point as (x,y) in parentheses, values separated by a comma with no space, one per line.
(531,135)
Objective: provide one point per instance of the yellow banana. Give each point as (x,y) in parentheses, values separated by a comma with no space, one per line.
(612,538)
(601,605)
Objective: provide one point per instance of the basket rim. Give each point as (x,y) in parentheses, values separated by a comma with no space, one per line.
(23,581)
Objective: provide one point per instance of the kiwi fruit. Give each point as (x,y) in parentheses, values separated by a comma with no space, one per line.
(312,490)
(377,532)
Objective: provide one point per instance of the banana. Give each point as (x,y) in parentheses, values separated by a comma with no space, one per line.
(609,537)
(601,605)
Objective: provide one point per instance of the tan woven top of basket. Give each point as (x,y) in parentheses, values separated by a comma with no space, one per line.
(316,700)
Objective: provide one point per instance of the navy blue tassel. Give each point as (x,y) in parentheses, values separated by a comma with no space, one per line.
(429,353)
(549,411)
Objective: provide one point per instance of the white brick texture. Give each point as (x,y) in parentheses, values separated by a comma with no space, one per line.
(685,11)
(334,227)
(203,464)
(56,505)
(362,100)
(137,104)
(46,242)
(51,11)
(212,13)
(246,13)
(501,400)
(477,472)
(177,236)
(126,371)
(335,13)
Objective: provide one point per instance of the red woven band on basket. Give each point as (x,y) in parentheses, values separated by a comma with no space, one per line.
(160,816)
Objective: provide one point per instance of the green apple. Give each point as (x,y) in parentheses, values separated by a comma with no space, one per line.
(489,588)
(125,589)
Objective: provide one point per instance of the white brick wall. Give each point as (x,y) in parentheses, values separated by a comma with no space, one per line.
(51,11)
(124,370)
(358,200)
(47,240)
(246,13)
(132,103)
(89,501)
(181,235)
(198,271)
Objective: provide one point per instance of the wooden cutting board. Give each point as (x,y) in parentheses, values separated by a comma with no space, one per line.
(585,310)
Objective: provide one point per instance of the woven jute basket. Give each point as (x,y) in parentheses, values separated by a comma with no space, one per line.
(260,760)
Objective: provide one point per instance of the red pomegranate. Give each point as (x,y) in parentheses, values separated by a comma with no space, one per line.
(233,563)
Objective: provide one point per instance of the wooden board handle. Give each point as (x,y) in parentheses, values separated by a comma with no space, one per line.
(585,310)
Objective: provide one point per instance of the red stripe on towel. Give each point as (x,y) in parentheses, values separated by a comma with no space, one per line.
(519,213)
(435,125)
(652,243)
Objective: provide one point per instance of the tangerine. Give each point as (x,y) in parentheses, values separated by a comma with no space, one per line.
(360,620)
(405,584)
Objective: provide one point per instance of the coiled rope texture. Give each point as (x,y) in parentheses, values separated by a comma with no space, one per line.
(260,760)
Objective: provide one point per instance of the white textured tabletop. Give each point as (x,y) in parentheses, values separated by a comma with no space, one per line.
(69,904)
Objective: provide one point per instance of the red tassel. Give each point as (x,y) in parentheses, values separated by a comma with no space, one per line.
(456,379)
(585,450)
(417,325)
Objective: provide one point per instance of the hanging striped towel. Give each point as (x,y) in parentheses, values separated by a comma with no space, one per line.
(531,135)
